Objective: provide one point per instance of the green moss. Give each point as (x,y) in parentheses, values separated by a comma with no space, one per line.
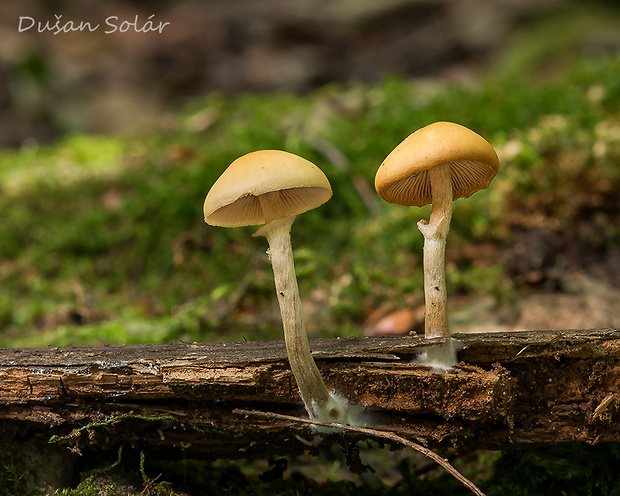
(12,483)
(102,238)
(579,470)
(109,421)
(576,470)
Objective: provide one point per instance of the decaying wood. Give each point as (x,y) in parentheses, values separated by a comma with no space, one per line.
(514,389)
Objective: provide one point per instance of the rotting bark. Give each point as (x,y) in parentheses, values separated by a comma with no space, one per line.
(514,389)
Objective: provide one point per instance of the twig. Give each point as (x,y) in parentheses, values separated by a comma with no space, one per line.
(604,405)
(374,433)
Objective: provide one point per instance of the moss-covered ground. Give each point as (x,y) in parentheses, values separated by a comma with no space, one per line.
(102,240)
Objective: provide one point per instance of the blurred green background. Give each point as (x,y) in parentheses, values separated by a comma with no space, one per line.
(111,142)
(102,238)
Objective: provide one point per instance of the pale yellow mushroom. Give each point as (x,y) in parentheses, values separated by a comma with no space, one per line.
(271,187)
(436,165)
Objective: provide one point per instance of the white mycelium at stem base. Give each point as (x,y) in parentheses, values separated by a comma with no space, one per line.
(321,405)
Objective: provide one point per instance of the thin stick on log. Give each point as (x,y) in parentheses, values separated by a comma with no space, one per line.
(373,433)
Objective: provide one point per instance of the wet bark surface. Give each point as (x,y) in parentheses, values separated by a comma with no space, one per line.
(519,389)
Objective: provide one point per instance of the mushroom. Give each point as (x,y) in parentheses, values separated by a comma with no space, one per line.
(272,187)
(436,165)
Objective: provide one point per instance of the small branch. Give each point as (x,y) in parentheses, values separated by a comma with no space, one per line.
(374,433)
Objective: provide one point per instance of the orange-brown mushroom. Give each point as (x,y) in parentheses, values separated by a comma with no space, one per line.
(436,165)
(271,187)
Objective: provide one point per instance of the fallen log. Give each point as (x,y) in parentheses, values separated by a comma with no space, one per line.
(513,389)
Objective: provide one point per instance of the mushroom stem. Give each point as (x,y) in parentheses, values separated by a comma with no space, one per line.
(435,233)
(312,389)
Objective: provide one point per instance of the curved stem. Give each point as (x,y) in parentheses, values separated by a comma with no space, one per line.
(312,389)
(435,233)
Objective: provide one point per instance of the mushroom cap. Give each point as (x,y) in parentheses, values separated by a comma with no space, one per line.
(233,198)
(403,179)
